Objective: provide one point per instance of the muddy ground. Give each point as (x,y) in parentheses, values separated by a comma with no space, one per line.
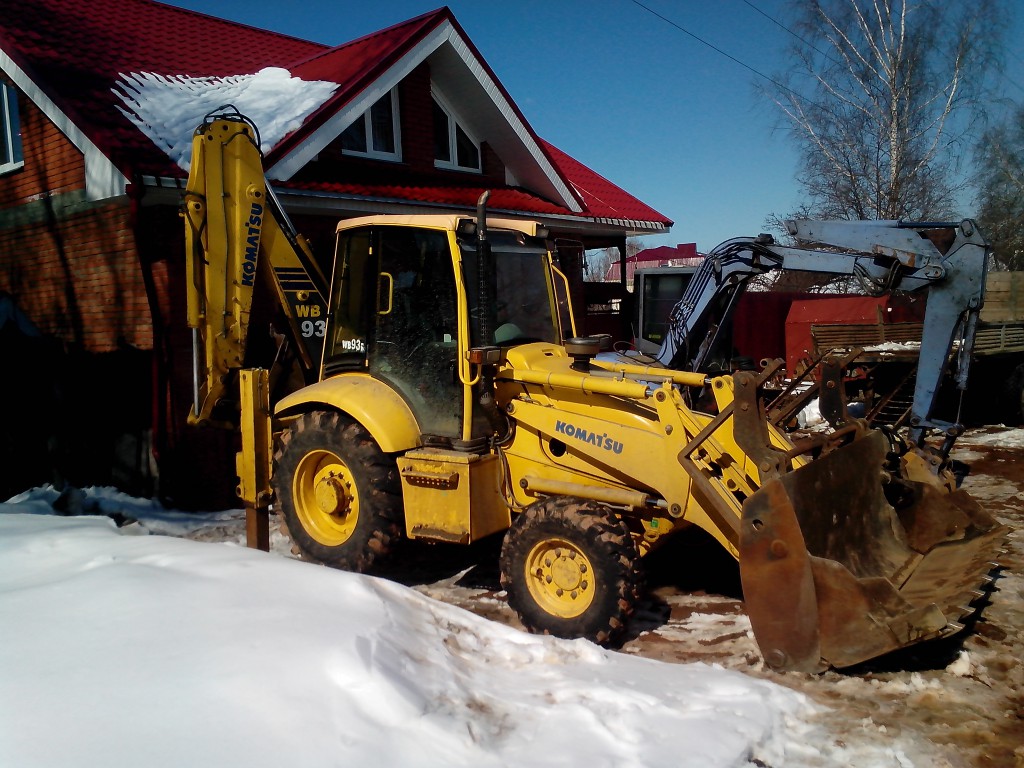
(958,701)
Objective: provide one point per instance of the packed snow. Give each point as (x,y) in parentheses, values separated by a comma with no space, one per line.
(167,108)
(895,346)
(121,648)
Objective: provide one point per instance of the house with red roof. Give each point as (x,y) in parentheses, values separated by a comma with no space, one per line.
(682,255)
(97,103)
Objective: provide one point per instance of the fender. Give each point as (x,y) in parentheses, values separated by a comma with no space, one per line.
(371,402)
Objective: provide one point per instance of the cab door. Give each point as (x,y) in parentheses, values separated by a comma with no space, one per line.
(395,316)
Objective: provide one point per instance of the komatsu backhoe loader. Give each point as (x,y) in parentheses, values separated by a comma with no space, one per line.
(447,398)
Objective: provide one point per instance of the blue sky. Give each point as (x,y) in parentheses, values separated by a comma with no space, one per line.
(645,105)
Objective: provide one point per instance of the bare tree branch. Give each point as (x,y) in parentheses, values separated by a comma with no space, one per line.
(882,98)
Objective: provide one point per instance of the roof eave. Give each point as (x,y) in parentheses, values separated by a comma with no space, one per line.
(317,201)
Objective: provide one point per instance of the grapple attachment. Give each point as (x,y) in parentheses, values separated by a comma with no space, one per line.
(833,574)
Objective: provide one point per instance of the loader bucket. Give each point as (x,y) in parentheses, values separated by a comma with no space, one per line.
(833,574)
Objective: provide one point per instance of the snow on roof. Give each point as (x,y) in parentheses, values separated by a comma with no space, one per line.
(167,108)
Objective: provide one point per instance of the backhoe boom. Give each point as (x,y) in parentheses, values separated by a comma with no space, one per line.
(237,231)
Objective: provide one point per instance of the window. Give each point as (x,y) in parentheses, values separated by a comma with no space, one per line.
(453,146)
(10,130)
(375,134)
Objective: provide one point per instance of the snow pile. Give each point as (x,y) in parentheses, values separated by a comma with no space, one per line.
(1009,439)
(810,416)
(149,650)
(150,514)
(167,108)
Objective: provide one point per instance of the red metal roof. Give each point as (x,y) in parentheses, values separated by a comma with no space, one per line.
(75,51)
(682,255)
(602,198)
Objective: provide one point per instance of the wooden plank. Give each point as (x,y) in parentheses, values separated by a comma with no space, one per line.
(1004,297)
(846,335)
(999,339)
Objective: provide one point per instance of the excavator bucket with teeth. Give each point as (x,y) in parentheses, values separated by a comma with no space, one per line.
(833,574)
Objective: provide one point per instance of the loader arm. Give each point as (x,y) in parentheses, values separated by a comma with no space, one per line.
(237,235)
(884,256)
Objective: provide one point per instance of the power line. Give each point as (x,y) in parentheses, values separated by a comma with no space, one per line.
(718,50)
(784,28)
(1006,77)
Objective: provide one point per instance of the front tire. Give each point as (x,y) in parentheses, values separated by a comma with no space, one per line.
(338,492)
(571,569)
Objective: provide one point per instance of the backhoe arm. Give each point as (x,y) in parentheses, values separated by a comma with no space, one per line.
(885,256)
(236,235)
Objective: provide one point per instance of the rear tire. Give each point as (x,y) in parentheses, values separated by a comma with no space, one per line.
(570,568)
(338,492)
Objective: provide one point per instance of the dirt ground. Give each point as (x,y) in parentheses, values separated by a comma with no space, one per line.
(959,701)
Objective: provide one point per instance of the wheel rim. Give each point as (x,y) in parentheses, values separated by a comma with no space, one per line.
(560,578)
(325,498)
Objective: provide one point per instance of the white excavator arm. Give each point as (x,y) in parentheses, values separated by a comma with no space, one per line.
(948,259)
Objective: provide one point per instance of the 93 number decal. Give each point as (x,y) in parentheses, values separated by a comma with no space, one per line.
(312,328)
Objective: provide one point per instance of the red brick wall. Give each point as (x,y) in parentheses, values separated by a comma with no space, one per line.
(70,265)
(417,118)
(78,278)
(52,163)
(84,388)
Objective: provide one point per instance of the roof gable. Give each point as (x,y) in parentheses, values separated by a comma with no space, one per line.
(368,68)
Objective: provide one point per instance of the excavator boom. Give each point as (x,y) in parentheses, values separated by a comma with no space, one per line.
(947,259)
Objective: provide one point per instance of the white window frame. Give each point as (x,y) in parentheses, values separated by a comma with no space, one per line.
(11,157)
(396,131)
(453,121)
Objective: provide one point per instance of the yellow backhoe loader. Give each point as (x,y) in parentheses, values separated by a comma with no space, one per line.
(447,397)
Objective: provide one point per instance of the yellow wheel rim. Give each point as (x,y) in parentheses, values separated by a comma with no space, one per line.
(325,498)
(560,578)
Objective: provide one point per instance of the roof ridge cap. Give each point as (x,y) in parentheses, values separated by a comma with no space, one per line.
(439,14)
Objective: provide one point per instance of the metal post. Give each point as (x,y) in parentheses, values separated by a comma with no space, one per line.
(253,462)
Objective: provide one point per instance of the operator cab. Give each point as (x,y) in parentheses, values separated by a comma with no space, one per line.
(404,309)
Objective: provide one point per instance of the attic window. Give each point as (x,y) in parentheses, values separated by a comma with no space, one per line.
(375,134)
(10,130)
(454,147)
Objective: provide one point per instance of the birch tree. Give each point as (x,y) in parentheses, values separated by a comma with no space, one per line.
(1001,190)
(884,98)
